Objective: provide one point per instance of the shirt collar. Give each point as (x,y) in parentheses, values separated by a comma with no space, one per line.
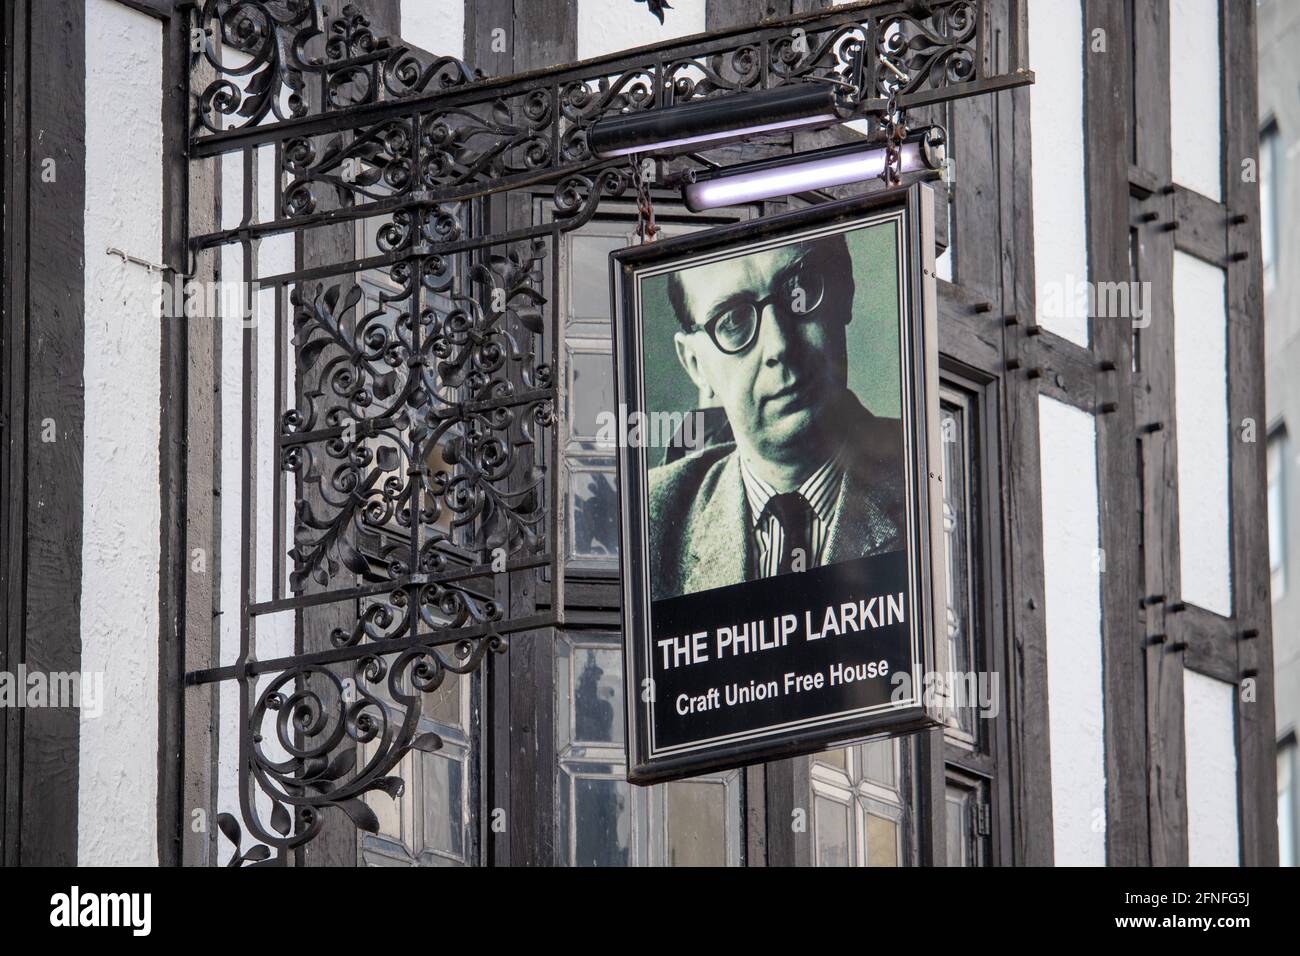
(821,489)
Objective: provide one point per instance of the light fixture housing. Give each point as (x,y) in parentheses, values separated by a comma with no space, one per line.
(712,122)
(805,172)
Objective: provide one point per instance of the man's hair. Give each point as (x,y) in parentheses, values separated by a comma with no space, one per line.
(832,250)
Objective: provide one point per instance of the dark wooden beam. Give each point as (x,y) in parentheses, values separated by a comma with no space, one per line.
(45,330)
(174,562)
(1252,605)
(1107,149)
(1156,434)
(545,33)
(1031,775)
(720,14)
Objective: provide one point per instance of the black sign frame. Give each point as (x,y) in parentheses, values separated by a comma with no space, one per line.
(911,706)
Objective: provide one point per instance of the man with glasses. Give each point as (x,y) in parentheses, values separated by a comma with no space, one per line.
(804,475)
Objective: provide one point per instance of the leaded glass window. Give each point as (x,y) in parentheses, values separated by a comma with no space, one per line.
(604,820)
(861,805)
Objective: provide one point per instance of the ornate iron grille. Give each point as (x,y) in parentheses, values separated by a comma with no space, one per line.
(408,397)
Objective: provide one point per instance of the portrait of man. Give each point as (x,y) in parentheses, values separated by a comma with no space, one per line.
(796,472)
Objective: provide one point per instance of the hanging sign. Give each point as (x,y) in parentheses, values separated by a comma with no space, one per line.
(778,405)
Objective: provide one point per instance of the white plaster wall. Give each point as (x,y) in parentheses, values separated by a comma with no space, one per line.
(118,785)
(435,25)
(1211,747)
(1072,589)
(605,27)
(271,636)
(231,265)
(1056,50)
(275,256)
(1201,414)
(1195,95)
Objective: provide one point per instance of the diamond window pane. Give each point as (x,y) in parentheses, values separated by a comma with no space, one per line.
(601,822)
(959,617)
(1277,512)
(697,824)
(593,515)
(597,695)
(589,274)
(879,762)
(958,805)
(837,758)
(443,705)
(444,830)
(591,391)
(882,841)
(832,832)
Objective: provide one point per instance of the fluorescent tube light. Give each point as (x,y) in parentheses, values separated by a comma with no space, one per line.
(720,120)
(821,169)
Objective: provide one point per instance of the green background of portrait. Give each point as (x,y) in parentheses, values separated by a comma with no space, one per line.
(871,337)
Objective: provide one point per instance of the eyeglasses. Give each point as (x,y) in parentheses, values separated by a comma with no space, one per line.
(797,295)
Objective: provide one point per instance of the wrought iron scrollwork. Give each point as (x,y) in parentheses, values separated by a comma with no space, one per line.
(935,54)
(421,424)
(265,52)
(297,762)
(396,391)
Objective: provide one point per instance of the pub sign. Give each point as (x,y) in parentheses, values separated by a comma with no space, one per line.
(778,470)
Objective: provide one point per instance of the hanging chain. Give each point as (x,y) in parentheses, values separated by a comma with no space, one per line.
(894,125)
(645,207)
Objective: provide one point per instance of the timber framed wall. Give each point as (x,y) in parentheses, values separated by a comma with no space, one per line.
(1154,642)
(1225,234)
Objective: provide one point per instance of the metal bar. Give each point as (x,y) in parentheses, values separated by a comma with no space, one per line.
(559,494)
(278,549)
(416,200)
(246,671)
(468,573)
(246,518)
(425,250)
